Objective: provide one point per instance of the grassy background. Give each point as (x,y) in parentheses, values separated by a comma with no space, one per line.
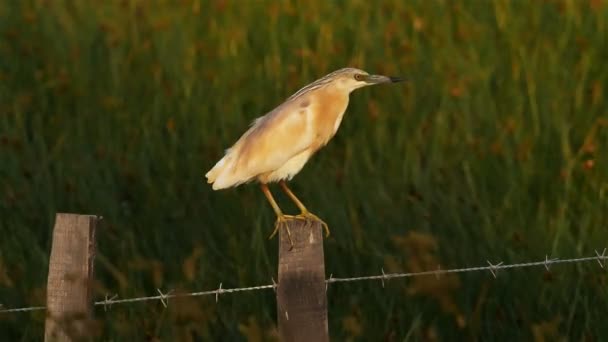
(495,150)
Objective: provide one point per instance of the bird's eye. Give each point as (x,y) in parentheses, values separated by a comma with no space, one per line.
(359,77)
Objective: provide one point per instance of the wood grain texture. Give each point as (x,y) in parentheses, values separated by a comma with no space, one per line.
(69,297)
(301,292)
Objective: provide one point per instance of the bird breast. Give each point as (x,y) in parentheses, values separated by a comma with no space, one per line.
(327,108)
(324,112)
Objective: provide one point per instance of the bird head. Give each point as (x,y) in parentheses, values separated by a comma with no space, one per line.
(351,78)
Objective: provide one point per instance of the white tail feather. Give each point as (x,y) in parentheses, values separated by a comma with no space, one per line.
(222,175)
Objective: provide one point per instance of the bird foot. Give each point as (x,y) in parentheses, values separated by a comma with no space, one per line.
(306,216)
(310,218)
(282,222)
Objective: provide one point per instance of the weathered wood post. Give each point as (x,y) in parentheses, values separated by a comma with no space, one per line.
(69,298)
(301,295)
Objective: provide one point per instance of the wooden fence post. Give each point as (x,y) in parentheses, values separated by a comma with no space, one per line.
(301,292)
(69,284)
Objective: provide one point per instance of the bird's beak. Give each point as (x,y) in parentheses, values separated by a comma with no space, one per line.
(377,79)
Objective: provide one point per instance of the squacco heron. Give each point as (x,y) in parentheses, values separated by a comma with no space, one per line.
(278,144)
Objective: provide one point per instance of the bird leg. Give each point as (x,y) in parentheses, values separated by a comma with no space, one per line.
(305,214)
(281,218)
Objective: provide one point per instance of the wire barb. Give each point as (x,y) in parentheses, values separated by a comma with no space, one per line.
(107,302)
(331,276)
(274,284)
(601,257)
(549,261)
(494,268)
(383,276)
(217,294)
(164,297)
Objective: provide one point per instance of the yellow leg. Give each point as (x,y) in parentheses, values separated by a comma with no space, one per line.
(281,218)
(305,214)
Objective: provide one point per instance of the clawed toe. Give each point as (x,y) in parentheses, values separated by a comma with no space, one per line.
(310,218)
(307,217)
(282,221)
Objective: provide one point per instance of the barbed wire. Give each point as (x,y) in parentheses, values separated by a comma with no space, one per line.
(492,268)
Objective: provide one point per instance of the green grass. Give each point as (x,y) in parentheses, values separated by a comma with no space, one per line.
(494,150)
